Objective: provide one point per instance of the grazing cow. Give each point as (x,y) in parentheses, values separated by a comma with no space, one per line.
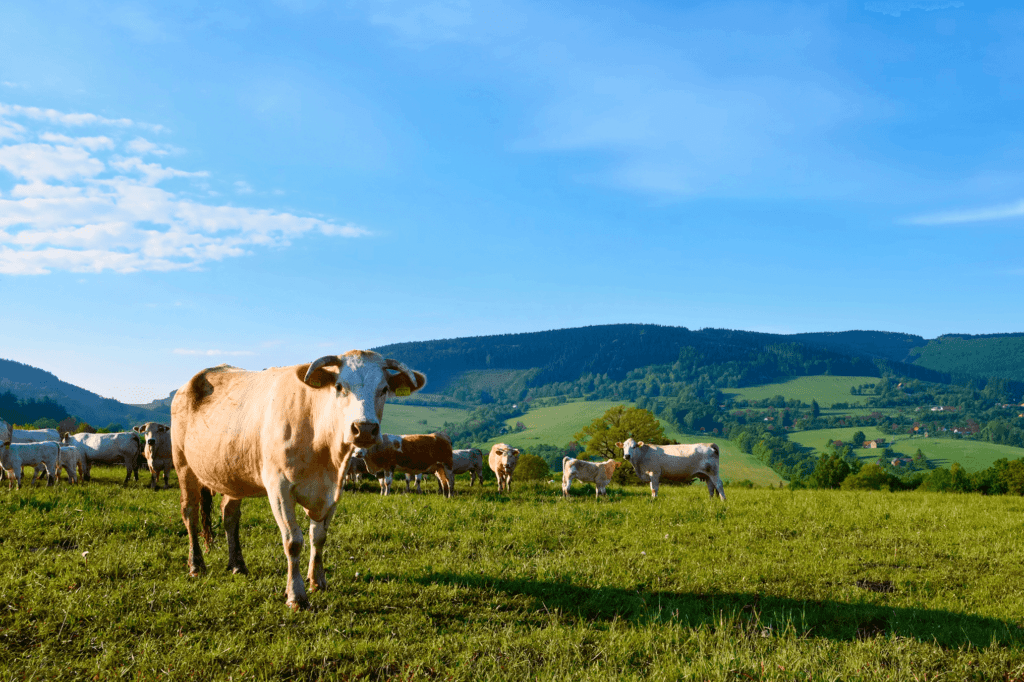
(287,433)
(674,463)
(14,456)
(469,461)
(598,473)
(422,453)
(503,459)
(107,448)
(156,448)
(72,460)
(35,435)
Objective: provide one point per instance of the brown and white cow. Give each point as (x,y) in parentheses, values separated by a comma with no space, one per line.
(422,453)
(286,433)
(683,463)
(598,473)
(156,448)
(502,460)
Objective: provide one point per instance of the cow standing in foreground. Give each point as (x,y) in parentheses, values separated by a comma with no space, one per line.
(156,448)
(502,460)
(285,432)
(40,456)
(598,473)
(423,453)
(107,448)
(683,463)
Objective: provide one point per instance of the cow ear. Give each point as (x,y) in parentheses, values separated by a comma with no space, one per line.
(164,427)
(618,445)
(402,384)
(137,429)
(640,443)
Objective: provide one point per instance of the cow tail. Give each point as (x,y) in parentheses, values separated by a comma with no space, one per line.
(564,460)
(206,497)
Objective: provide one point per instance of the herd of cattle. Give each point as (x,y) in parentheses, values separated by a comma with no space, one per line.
(294,435)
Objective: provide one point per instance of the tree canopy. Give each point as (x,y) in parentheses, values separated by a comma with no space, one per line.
(616,425)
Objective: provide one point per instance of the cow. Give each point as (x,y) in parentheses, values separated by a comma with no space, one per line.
(674,463)
(14,456)
(72,459)
(107,448)
(418,478)
(286,433)
(156,448)
(503,459)
(469,461)
(598,473)
(35,435)
(5,437)
(424,453)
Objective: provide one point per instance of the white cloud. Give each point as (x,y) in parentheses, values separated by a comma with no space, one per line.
(141,145)
(54,116)
(895,8)
(243,187)
(186,351)
(79,204)
(975,215)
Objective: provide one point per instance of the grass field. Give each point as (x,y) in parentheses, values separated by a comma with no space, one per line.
(825,389)
(400,419)
(817,438)
(556,425)
(774,585)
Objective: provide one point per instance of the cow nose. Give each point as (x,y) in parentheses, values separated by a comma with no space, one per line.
(151,442)
(362,431)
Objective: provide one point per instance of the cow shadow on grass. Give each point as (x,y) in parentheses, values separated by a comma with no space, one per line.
(763,615)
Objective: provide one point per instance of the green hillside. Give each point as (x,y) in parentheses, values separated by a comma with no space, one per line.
(401,419)
(985,356)
(825,389)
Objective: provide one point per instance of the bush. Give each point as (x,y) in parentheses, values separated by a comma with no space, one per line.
(532,468)
(870,477)
(745,483)
(625,475)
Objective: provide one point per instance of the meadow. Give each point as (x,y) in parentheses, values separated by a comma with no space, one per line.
(774,584)
(825,389)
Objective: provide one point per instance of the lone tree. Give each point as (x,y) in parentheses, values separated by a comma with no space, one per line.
(615,426)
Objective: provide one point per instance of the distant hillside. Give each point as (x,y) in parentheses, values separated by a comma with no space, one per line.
(1000,355)
(26,381)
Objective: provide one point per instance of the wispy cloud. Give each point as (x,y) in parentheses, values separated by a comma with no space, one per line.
(87,204)
(186,351)
(975,215)
(895,8)
(243,187)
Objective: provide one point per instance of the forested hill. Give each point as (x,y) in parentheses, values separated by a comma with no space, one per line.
(32,383)
(740,358)
(1000,355)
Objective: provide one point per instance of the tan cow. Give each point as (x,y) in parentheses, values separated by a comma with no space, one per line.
(502,460)
(674,463)
(598,473)
(285,432)
(423,453)
(156,448)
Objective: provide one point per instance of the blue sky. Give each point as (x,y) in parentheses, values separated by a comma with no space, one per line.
(261,183)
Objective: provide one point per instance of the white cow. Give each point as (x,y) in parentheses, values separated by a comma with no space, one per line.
(674,463)
(14,456)
(503,459)
(72,460)
(107,448)
(598,473)
(5,437)
(156,448)
(35,435)
(469,461)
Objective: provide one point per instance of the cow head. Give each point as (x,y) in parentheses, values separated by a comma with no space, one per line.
(509,453)
(150,433)
(631,449)
(362,384)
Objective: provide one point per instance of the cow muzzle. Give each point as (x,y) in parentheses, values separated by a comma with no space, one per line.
(365,434)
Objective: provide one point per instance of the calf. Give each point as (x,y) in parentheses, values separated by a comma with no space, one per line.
(418,454)
(598,473)
(72,460)
(14,456)
(503,459)
(674,463)
(156,448)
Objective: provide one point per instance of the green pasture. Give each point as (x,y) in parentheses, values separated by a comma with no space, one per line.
(773,585)
(399,419)
(816,439)
(825,389)
(557,424)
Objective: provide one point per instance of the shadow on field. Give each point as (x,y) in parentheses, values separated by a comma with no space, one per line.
(763,615)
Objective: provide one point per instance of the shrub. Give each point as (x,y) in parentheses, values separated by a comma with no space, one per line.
(532,468)
(870,477)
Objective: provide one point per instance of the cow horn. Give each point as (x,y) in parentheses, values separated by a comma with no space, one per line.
(325,361)
(395,364)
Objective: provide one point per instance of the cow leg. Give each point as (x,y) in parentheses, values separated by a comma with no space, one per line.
(231,512)
(441,481)
(191,504)
(717,488)
(153,476)
(654,487)
(279,491)
(566,483)
(167,477)
(317,534)
(87,476)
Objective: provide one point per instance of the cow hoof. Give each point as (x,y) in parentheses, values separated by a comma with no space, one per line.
(317,585)
(239,570)
(298,605)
